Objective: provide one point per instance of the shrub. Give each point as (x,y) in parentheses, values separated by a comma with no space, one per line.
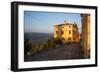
(50,43)
(33,49)
(57,41)
(27,46)
(45,46)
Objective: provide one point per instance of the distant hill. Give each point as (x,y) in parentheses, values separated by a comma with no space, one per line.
(37,37)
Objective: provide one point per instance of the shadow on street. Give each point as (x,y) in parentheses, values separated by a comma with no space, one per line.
(64,52)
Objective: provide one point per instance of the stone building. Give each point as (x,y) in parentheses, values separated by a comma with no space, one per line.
(85,36)
(67,32)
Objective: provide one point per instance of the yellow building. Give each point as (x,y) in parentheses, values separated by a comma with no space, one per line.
(67,32)
(85,37)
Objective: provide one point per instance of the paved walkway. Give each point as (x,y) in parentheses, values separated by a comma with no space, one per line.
(68,51)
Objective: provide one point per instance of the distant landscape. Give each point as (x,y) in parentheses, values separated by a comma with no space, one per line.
(37,37)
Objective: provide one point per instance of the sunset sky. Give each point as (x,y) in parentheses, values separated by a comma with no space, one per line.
(43,22)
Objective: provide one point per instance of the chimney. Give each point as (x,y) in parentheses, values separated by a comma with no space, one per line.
(65,22)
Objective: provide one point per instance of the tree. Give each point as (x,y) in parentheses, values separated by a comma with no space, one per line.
(50,43)
(58,41)
(27,46)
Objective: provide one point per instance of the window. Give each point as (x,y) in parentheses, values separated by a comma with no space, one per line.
(69,38)
(77,36)
(62,32)
(69,31)
(74,38)
(63,38)
(69,26)
(56,32)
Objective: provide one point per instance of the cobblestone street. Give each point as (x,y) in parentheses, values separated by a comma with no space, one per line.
(67,51)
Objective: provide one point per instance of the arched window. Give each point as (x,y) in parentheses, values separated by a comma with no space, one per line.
(69,26)
(69,31)
(56,32)
(62,32)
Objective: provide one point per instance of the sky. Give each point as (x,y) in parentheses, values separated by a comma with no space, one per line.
(43,22)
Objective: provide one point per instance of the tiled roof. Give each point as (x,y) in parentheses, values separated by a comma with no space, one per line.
(74,24)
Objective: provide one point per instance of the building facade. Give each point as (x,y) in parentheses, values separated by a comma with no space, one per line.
(85,37)
(67,32)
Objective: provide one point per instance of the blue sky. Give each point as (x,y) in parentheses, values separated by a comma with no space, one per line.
(43,22)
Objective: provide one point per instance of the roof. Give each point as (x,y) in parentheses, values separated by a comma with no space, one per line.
(74,24)
(66,24)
